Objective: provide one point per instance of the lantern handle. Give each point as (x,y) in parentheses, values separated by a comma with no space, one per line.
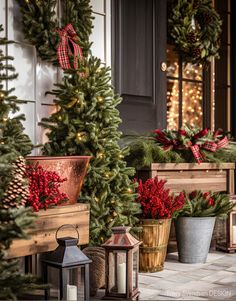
(67,226)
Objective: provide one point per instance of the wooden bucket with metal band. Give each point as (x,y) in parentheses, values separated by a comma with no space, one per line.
(155,236)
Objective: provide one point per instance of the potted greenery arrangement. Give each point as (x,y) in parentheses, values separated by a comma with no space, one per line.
(195,223)
(158,207)
(190,158)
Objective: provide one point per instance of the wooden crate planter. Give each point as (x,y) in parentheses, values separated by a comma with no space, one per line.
(42,237)
(191,176)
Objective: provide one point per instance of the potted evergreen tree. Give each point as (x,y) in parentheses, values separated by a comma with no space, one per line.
(195,223)
(158,207)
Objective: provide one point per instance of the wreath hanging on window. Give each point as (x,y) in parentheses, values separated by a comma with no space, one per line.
(41,25)
(194,28)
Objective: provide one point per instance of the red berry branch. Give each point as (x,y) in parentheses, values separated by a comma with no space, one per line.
(156,201)
(44,188)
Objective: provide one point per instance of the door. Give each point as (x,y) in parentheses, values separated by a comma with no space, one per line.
(138,55)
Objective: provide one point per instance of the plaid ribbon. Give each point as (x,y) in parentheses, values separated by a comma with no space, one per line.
(161,137)
(223,142)
(68,46)
(210,146)
(197,153)
(168,144)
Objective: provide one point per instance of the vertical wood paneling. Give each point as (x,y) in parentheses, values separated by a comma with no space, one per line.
(98,6)
(29,110)
(46,76)
(24,62)
(108,33)
(101,35)
(98,36)
(3,14)
(3,22)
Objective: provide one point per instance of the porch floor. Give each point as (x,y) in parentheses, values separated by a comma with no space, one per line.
(214,280)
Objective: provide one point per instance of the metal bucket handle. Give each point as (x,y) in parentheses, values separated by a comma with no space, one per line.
(67,226)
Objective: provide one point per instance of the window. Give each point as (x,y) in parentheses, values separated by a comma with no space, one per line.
(184,92)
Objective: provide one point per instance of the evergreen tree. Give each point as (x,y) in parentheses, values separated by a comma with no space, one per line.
(14,218)
(86,123)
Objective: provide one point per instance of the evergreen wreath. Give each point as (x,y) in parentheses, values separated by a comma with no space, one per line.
(40,24)
(194,28)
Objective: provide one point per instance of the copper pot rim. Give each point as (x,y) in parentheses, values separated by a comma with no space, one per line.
(58,157)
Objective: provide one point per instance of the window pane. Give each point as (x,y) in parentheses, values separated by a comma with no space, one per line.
(192,104)
(172,104)
(172,62)
(192,71)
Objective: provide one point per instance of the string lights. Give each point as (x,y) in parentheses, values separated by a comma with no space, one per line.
(191,98)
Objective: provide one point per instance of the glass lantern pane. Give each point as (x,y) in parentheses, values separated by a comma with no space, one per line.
(172,104)
(53,280)
(135,270)
(192,71)
(233,228)
(75,286)
(192,104)
(117,271)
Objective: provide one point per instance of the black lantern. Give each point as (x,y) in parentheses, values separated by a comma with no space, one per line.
(70,266)
(122,262)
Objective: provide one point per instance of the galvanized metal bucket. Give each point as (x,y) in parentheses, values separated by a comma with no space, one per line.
(193,236)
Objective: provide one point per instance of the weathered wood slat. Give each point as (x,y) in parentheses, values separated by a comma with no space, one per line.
(184,166)
(191,176)
(42,237)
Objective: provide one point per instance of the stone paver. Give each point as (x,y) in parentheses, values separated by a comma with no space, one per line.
(216,277)
(214,280)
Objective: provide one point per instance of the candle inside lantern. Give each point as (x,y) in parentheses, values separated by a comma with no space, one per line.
(71,292)
(121,278)
(234,234)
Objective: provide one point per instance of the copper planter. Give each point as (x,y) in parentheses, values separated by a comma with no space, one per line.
(73,168)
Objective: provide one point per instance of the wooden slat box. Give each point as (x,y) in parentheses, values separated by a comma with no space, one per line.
(191,176)
(42,237)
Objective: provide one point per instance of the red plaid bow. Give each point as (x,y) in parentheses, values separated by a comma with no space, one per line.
(177,144)
(197,153)
(68,42)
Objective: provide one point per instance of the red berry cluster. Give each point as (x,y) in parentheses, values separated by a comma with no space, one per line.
(44,188)
(156,201)
(207,197)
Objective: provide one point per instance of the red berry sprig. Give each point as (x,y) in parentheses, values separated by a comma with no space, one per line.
(44,188)
(156,201)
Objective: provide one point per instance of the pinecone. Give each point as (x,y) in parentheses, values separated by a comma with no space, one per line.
(191,37)
(196,52)
(16,194)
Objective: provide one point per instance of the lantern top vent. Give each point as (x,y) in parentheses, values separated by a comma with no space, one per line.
(121,239)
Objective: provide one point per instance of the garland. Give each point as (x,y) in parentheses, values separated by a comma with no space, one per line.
(41,25)
(194,28)
(186,145)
